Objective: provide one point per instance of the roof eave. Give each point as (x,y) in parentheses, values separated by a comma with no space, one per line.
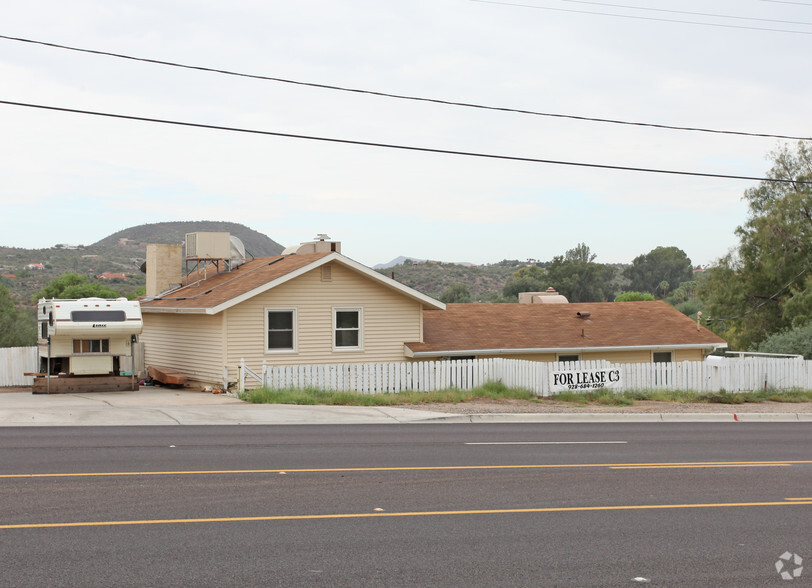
(517,351)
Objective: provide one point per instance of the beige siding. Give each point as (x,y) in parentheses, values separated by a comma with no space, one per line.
(689,355)
(189,343)
(631,356)
(389,320)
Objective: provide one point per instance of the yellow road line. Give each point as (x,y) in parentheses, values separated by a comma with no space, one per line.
(810,498)
(406,469)
(718,465)
(367,515)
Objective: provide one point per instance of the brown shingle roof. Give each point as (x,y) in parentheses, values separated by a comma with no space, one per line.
(210,292)
(206,290)
(482,326)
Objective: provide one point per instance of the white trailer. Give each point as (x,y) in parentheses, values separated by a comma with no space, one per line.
(86,337)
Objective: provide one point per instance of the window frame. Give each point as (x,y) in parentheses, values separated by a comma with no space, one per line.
(360,328)
(577,357)
(294,312)
(654,355)
(102,344)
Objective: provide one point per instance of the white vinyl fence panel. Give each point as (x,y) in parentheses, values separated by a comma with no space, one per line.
(732,375)
(16,361)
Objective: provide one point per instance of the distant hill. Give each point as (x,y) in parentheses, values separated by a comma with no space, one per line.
(485,282)
(256,244)
(26,271)
(402,259)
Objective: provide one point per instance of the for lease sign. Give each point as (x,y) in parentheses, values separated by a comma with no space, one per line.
(584,379)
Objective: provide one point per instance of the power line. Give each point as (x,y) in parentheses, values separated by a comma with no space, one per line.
(646,8)
(787,2)
(406,97)
(649,18)
(401,147)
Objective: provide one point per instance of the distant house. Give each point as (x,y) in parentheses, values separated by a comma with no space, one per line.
(111,276)
(35,266)
(313,305)
(9,276)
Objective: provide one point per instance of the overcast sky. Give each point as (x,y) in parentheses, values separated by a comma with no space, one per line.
(71,178)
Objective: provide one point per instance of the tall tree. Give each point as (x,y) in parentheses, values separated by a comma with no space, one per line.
(659,270)
(580,252)
(18,327)
(763,287)
(526,279)
(579,280)
(69,286)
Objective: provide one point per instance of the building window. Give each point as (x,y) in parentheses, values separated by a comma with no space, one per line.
(575,357)
(91,345)
(281,328)
(347,324)
(662,357)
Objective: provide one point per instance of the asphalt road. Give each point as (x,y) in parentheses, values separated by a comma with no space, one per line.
(406,505)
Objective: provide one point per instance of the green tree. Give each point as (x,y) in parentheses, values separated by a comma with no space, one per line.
(580,281)
(656,270)
(69,286)
(633,296)
(456,292)
(18,327)
(797,341)
(580,252)
(526,279)
(763,286)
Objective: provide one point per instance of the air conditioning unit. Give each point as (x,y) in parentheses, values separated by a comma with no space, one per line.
(208,246)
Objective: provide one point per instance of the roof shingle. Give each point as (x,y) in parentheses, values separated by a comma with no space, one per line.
(490,326)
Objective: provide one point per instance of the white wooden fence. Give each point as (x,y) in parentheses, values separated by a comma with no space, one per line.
(732,375)
(16,361)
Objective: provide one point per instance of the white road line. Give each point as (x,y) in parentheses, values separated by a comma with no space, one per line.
(549,443)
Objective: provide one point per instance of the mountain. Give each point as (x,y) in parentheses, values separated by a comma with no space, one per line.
(256,244)
(400,260)
(26,271)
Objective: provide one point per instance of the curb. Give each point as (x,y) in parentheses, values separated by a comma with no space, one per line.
(665,417)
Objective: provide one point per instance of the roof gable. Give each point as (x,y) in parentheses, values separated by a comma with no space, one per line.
(215,292)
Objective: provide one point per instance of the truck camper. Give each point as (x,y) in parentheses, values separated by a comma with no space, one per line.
(82,343)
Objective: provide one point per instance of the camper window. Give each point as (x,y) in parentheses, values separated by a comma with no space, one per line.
(98,316)
(91,345)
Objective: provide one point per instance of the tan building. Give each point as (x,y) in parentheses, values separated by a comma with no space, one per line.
(312,305)
(300,308)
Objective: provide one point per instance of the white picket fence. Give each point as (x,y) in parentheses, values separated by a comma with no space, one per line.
(16,361)
(732,375)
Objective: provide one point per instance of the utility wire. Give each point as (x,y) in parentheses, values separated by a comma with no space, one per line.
(786,2)
(401,147)
(650,18)
(646,8)
(406,97)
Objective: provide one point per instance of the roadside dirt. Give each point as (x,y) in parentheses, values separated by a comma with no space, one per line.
(641,406)
(554,406)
